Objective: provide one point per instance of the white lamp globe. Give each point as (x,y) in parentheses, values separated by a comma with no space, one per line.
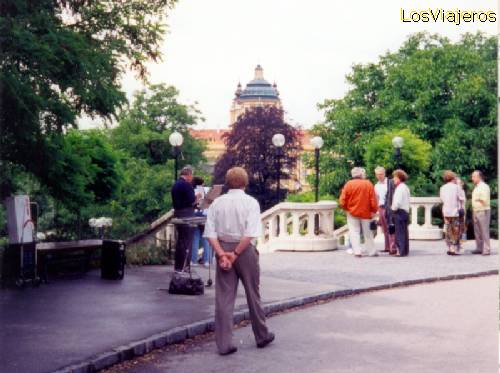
(398,142)
(278,140)
(317,142)
(175,139)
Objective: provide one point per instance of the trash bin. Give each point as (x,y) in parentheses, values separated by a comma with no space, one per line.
(112,260)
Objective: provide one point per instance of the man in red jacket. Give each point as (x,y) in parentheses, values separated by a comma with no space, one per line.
(360,204)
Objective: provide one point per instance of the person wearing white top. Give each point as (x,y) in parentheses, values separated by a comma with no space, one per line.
(232,227)
(199,190)
(401,208)
(452,200)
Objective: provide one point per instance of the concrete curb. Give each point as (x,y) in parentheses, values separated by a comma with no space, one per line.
(179,334)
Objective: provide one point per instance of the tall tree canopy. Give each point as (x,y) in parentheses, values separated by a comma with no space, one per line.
(60,59)
(249,145)
(153,115)
(444,92)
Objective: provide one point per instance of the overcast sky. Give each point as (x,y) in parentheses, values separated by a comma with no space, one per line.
(307,47)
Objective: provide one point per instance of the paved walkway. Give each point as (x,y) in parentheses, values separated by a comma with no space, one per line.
(447,327)
(69,321)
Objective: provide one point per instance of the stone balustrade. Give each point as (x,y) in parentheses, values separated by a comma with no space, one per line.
(290,226)
(425,231)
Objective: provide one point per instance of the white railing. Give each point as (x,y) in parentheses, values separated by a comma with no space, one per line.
(425,231)
(294,226)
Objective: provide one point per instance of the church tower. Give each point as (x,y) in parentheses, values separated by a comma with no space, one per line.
(257,92)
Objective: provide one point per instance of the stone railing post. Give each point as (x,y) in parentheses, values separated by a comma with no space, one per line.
(426,231)
(295,224)
(282,225)
(291,213)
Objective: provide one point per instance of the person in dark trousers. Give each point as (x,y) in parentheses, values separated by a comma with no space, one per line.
(183,200)
(389,216)
(233,226)
(401,209)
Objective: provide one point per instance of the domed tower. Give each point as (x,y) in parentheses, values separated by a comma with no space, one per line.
(257,92)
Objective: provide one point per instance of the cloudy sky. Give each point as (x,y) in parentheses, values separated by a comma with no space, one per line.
(307,47)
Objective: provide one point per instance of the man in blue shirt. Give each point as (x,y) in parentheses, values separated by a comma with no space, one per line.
(183,200)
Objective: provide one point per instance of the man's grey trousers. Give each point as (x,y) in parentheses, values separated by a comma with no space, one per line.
(245,268)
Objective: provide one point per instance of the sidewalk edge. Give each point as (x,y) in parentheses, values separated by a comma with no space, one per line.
(180,334)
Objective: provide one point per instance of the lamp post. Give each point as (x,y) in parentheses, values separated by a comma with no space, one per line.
(175,139)
(317,143)
(278,142)
(398,143)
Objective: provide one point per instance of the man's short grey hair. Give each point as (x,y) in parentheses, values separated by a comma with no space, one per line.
(379,169)
(187,170)
(358,172)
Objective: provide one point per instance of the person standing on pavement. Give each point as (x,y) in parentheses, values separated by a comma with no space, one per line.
(360,204)
(462,210)
(198,185)
(381,188)
(183,200)
(400,211)
(481,213)
(389,216)
(233,226)
(452,198)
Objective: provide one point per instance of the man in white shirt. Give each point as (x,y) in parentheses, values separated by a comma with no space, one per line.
(481,213)
(381,193)
(232,227)
(401,208)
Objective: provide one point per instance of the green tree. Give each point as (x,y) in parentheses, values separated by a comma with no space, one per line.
(60,59)
(144,128)
(415,156)
(444,92)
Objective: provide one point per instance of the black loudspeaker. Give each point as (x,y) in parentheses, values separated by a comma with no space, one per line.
(113,260)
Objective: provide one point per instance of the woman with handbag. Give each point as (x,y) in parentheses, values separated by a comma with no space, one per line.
(453,200)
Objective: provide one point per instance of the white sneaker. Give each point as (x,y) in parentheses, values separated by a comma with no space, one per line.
(350,251)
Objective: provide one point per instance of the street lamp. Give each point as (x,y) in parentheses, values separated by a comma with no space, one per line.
(278,142)
(398,143)
(175,139)
(317,142)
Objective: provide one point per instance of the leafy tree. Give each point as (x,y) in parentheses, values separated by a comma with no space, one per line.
(444,92)
(415,155)
(60,59)
(144,196)
(249,145)
(154,114)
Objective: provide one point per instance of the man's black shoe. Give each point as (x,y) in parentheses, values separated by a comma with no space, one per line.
(232,350)
(266,341)
(476,252)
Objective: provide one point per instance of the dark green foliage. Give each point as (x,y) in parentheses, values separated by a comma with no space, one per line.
(249,145)
(60,59)
(443,92)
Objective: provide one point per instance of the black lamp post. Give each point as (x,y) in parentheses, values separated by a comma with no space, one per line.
(397,142)
(317,143)
(175,139)
(278,142)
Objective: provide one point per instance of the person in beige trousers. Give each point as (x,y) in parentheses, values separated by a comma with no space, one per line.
(481,214)
(232,227)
